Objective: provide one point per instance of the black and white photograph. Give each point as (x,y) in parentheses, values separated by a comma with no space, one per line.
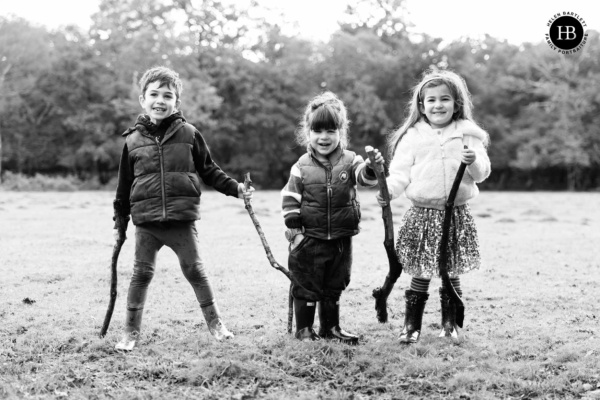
(278,199)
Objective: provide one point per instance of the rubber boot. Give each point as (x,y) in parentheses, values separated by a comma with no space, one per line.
(413,317)
(304,312)
(131,333)
(449,309)
(215,323)
(329,316)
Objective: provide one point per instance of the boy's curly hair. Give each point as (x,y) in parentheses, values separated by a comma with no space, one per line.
(165,76)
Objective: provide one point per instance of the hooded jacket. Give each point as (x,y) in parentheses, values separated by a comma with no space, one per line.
(426,161)
(161,178)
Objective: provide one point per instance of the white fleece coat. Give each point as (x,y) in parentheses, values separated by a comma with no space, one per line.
(425,164)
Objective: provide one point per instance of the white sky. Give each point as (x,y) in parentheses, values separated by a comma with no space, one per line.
(515,20)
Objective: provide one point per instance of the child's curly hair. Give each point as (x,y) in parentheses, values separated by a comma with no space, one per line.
(165,76)
(324,111)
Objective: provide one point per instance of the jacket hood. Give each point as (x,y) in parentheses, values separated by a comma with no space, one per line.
(469,128)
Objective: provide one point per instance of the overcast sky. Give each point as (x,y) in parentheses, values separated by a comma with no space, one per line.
(515,20)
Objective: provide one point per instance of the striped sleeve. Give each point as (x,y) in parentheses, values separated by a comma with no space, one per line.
(291,198)
(364,175)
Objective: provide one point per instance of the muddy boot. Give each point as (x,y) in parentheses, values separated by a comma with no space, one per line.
(305,318)
(214,323)
(413,317)
(449,309)
(131,333)
(329,316)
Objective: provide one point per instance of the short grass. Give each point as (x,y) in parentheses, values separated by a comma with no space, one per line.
(531,328)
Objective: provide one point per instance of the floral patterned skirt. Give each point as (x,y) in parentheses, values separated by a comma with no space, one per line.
(419,237)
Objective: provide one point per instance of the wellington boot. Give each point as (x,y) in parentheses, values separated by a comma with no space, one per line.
(413,317)
(304,312)
(131,333)
(449,309)
(329,317)
(128,341)
(215,324)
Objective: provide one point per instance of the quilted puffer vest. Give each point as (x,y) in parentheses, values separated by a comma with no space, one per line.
(329,207)
(166,186)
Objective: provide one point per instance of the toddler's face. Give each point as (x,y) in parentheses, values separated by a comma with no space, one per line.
(438,106)
(159,101)
(324,141)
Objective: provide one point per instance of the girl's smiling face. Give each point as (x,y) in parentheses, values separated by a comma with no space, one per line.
(438,106)
(159,101)
(324,141)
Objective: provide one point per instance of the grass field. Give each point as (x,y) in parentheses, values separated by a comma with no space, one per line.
(531,327)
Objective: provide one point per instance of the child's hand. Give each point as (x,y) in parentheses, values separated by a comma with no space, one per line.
(120,228)
(380,200)
(242,194)
(468,156)
(378,158)
(297,239)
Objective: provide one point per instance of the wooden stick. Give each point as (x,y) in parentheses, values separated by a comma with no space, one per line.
(272,261)
(443,265)
(381,293)
(113,284)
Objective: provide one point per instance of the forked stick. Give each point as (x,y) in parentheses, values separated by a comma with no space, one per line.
(381,293)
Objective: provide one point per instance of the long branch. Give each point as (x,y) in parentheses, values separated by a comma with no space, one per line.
(272,261)
(386,213)
(382,293)
(443,265)
(263,239)
(113,285)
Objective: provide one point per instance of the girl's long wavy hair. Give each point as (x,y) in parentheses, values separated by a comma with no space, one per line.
(324,111)
(433,78)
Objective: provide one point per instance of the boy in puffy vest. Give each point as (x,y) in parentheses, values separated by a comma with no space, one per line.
(322,213)
(162,162)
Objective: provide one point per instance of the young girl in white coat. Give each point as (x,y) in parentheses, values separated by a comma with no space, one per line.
(427,151)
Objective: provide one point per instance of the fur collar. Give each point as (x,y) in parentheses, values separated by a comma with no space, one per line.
(462,127)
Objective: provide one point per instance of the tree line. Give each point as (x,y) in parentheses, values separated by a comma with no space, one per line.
(68,95)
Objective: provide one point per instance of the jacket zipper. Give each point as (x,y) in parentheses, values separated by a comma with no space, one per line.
(446,191)
(444,169)
(162,180)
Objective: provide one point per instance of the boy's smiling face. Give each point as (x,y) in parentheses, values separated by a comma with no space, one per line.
(159,101)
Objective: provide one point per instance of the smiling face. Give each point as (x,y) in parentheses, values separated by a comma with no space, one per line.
(159,101)
(324,141)
(438,106)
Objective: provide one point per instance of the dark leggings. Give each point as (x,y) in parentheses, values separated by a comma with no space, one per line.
(182,238)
